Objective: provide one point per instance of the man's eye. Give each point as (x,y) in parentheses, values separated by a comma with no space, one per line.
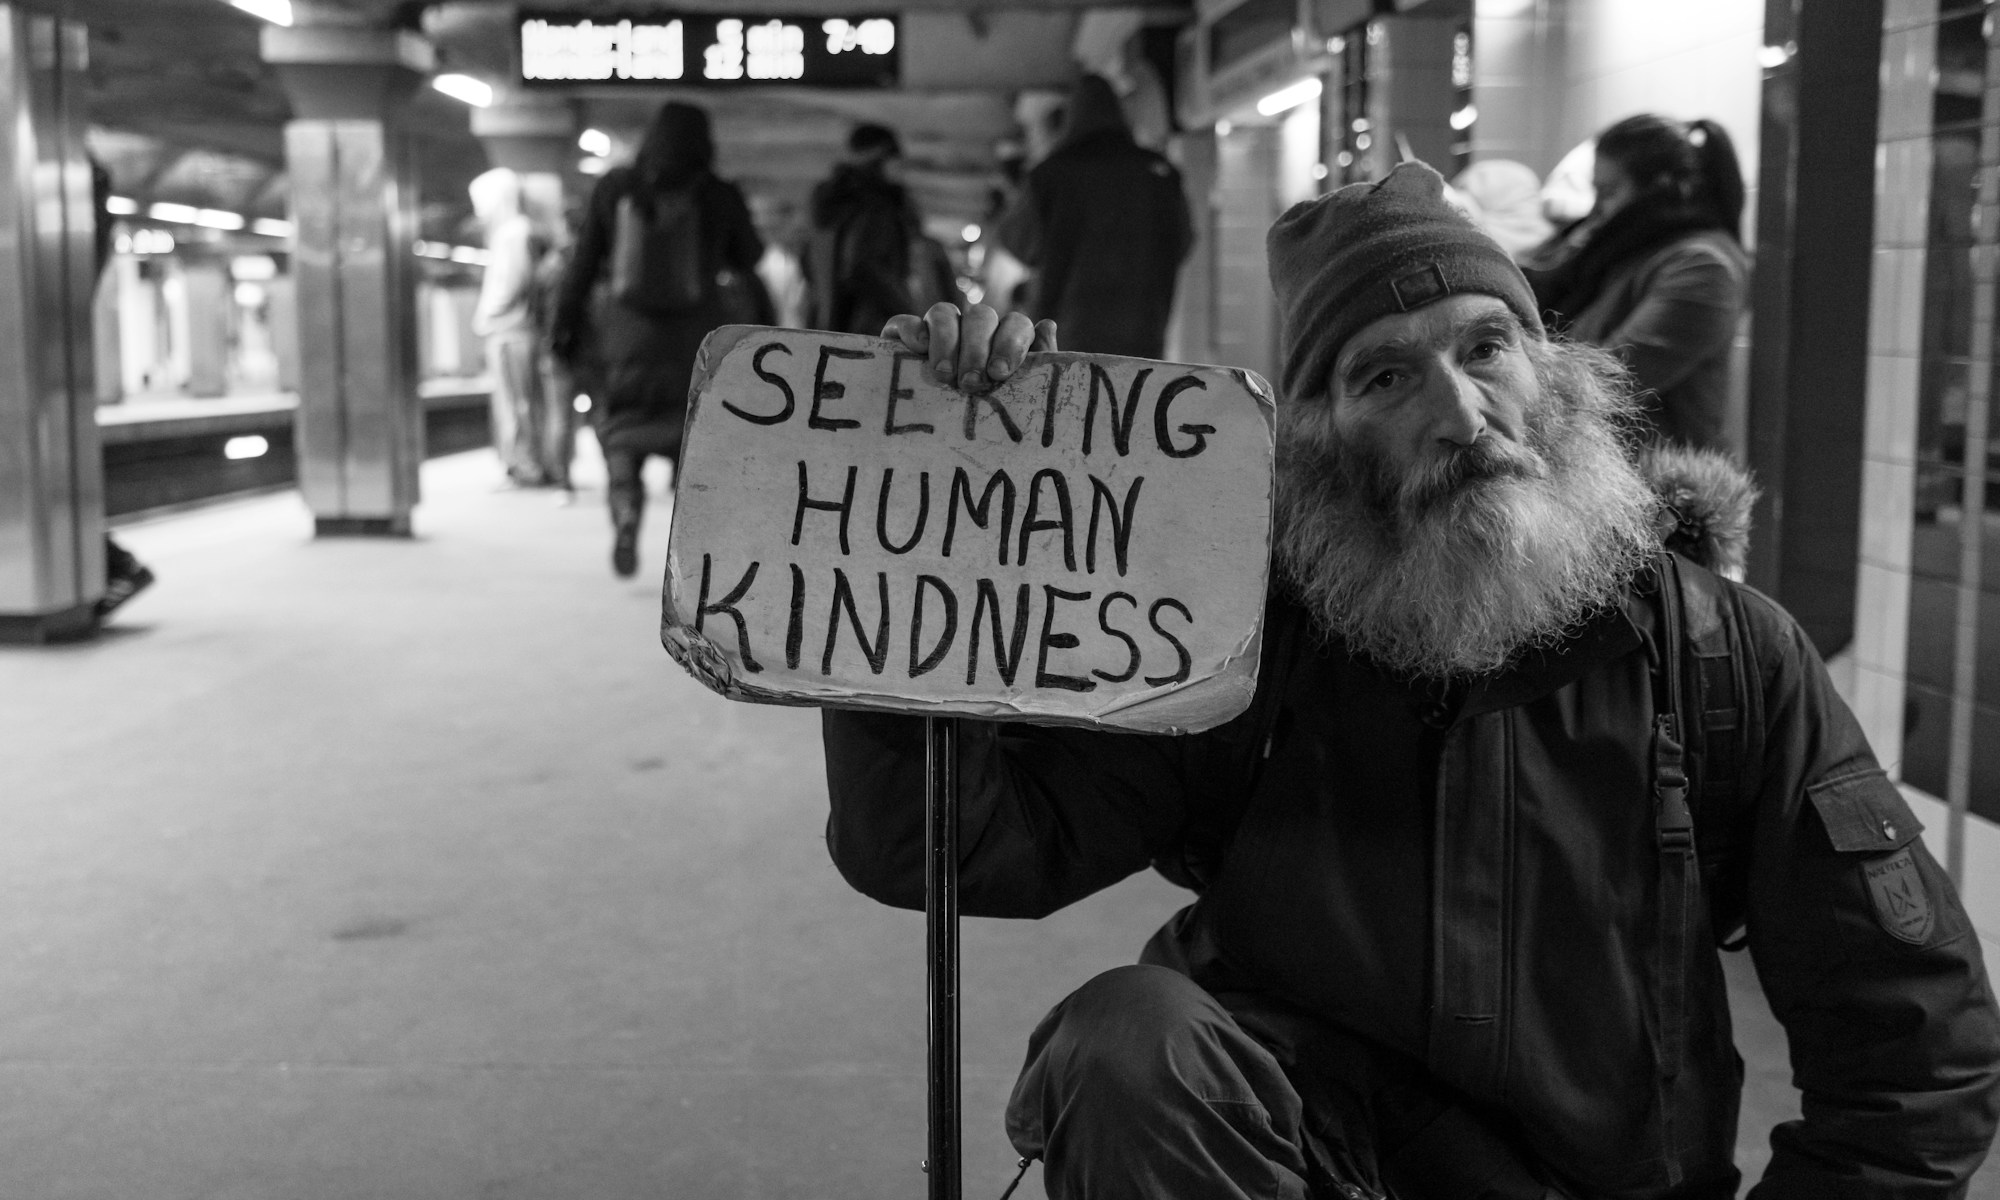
(1488,349)
(1381,381)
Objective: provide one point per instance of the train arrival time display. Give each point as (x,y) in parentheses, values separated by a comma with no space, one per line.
(709,50)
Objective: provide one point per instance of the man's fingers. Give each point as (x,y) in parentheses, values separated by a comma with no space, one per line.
(1010,345)
(909,330)
(976,347)
(1045,336)
(942,322)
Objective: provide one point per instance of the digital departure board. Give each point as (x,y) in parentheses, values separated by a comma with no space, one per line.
(709,50)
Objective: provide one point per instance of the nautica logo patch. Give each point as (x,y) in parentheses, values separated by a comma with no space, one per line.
(1902,907)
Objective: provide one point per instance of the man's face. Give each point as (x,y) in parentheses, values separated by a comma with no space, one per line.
(1428,401)
(1460,493)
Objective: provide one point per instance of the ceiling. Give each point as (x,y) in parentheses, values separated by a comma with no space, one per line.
(182,107)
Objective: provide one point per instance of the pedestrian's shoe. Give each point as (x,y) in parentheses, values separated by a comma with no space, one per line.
(122,587)
(625,551)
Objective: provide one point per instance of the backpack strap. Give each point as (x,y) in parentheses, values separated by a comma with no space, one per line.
(1723,722)
(1673,823)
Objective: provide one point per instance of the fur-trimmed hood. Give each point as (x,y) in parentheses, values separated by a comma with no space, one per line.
(1705,501)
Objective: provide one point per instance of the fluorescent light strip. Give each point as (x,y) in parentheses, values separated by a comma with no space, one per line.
(121,206)
(1289,97)
(277,12)
(271,227)
(476,92)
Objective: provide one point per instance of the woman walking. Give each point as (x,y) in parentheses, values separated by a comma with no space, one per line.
(676,246)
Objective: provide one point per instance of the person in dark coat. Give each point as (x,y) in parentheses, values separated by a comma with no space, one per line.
(1104,223)
(1459,908)
(863,226)
(646,351)
(1658,274)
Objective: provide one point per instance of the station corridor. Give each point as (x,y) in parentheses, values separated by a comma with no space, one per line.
(415,870)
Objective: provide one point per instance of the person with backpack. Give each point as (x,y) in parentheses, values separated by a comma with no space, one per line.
(1516,771)
(1104,223)
(858,257)
(676,251)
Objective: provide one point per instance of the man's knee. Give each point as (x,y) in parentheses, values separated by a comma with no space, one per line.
(1143,1032)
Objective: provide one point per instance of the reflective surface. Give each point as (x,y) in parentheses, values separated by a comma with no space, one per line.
(360,428)
(51,478)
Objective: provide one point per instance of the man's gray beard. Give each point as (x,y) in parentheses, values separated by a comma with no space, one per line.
(1461,567)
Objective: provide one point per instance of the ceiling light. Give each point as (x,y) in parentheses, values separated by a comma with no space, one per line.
(970,233)
(1290,96)
(121,206)
(215,218)
(248,446)
(277,12)
(271,227)
(476,92)
(180,214)
(593,166)
(1464,117)
(594,142)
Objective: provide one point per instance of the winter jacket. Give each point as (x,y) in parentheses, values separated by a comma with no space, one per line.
(858,258)
(1472,880)
(646,359)
(1104,223)
(1671,314)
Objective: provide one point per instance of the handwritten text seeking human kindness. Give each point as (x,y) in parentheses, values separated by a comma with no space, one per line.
(1087,544)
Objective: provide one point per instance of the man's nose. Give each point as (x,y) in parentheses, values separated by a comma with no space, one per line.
(1458,412)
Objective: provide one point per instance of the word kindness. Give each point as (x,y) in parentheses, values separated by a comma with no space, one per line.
(1086,543)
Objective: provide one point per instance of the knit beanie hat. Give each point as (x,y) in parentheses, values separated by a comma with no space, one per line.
(1371,249)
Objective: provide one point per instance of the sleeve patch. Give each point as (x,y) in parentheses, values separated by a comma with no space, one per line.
(1902,907)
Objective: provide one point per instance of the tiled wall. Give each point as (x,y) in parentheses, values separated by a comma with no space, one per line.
(1926,682)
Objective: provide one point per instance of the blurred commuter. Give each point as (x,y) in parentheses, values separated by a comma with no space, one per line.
(678,250)
(1504,198)
(124,575)
(530,427)
(858,258)
(1657,273)
(1104,223)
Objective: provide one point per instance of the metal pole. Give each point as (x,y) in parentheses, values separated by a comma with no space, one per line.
(941,940)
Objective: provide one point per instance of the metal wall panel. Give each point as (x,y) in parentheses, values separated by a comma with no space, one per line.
(360,427)
(51,475)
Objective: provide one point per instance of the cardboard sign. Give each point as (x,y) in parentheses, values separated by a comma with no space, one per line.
(1086,544)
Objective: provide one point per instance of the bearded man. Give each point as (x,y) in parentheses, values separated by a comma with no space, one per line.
(1446,945)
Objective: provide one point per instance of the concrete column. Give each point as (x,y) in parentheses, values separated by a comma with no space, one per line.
(107,339)
(284,309)
(1519,78)
(208,301)
(1409,91)
(1245,318)
(51,472)
(354,218)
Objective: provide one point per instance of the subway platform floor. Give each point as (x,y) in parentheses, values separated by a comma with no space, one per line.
(415,870)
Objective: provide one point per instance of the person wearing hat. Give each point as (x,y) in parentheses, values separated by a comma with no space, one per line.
(1455,936)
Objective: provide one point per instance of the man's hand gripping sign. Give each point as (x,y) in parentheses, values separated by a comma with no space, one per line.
(1048,537)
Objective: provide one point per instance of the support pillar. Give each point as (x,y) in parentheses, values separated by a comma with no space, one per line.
(208,300)
(51,470)
(354,219)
